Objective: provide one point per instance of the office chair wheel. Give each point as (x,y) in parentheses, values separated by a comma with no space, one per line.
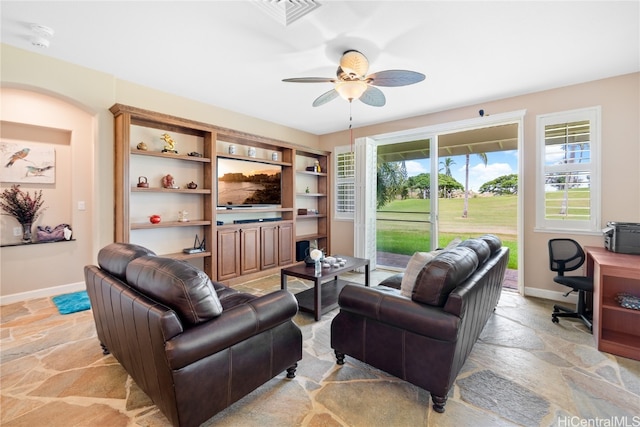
(554,319)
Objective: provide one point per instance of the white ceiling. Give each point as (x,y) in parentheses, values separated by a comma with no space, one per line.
(233,55)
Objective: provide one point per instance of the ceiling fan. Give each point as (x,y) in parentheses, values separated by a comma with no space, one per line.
(351,81)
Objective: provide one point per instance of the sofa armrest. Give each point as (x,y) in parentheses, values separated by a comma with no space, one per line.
(231,327)
(386,305)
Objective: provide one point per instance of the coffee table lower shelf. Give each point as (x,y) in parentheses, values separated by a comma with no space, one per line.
(329,290)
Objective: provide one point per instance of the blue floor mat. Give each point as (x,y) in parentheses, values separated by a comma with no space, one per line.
(72,303)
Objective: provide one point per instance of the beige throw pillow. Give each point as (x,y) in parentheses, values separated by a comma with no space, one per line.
(454,243)
(415,266)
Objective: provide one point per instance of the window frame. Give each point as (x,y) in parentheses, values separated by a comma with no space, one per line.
(593,225)
(338,152)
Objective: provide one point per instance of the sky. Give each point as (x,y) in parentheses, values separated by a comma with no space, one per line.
(498,163)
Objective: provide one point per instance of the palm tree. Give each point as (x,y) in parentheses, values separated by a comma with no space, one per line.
(483,156)
(447,163)
(391,177)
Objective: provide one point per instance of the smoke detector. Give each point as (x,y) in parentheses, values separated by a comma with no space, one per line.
(41,35)
(40,42)
(42,30)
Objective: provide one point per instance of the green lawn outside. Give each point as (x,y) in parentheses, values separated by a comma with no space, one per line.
(496,215)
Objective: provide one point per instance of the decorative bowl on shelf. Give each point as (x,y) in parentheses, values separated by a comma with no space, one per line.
(629,301)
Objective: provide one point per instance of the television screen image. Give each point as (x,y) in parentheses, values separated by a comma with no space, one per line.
(247,183)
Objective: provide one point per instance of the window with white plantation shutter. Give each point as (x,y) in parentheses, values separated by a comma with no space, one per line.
(345,183)
(568,178)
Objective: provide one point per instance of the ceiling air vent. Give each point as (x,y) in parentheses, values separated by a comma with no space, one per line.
(286,11)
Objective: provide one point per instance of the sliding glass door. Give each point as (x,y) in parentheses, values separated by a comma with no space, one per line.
(429,186)
(406,200)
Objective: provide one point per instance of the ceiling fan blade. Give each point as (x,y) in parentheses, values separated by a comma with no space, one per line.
(373,96)
(395,78)
(310,80)
(325,97)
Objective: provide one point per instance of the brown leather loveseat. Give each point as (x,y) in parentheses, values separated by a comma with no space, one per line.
(424,338)
(193,346)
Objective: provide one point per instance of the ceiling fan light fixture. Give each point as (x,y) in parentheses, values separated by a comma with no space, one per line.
(354,62)
(351,90)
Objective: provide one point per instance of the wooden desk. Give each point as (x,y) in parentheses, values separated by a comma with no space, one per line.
(616,329)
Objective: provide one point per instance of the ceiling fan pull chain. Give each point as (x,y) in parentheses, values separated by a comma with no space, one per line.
(350,125)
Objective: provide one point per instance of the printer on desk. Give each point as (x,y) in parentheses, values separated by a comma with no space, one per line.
(622,237)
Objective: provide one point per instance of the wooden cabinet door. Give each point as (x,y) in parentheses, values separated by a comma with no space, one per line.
(269,246)
(228,254)
(249,250)
(285,246)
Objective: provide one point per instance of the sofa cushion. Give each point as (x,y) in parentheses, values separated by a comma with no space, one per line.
(493,241)
(480,247)
(443,274)
(453,243)
(417,262)
(394,281)
(178,285)
(115,257)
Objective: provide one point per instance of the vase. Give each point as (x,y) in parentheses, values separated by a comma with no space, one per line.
(26,232)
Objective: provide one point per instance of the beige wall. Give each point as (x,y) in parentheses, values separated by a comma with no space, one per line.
(619,98)
(94,92)
(38,119)
(28,77)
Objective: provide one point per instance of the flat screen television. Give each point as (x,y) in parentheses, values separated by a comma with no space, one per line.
(245,183)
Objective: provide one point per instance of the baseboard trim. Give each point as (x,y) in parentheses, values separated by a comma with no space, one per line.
(42,293)
(551,295)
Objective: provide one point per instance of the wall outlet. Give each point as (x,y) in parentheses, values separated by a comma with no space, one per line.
(17,231)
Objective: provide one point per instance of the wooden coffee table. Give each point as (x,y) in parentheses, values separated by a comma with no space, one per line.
(324,295)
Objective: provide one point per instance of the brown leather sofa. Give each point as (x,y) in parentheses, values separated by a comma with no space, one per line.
(424,339)
(193,346)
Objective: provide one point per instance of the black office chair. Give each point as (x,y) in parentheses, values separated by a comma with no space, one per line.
(567,255)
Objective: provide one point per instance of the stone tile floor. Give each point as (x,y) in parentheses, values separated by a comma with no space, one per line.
(524,370)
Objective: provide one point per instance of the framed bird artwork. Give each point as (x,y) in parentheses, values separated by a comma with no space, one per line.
(27,163)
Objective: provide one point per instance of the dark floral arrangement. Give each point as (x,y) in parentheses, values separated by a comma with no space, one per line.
(21,205)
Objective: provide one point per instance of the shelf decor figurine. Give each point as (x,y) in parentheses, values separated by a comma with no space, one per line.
(23,207)
(141,146)
(183,216)
(143,182)
(170,146)
(198,246)
(192,185)
(168,181)
(67,232)
(251,151)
